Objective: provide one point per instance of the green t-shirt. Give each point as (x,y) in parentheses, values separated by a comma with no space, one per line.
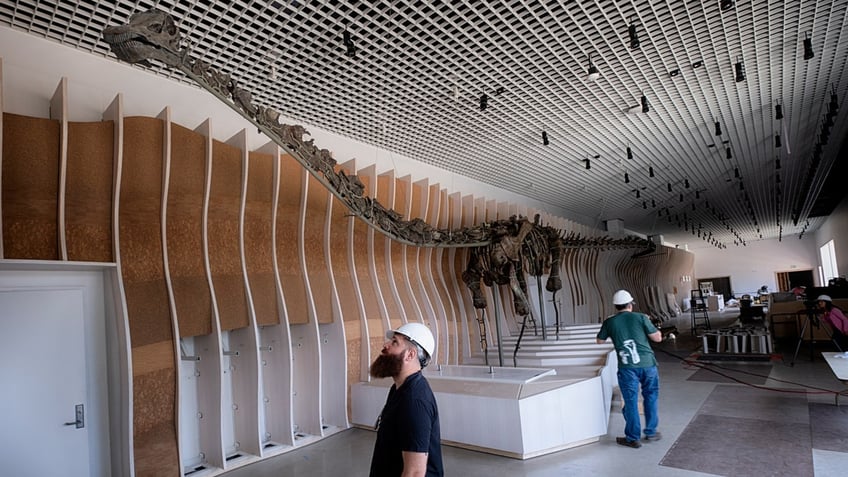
(629,332)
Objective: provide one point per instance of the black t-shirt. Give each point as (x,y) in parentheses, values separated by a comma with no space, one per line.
(409,422)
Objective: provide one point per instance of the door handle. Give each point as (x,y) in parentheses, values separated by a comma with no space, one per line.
(79,412)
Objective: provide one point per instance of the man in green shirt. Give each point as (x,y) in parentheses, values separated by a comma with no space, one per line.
(637,366)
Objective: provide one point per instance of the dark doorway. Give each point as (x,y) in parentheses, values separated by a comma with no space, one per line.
(801,278)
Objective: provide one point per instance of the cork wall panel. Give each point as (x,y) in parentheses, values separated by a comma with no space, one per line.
(142,268)
(258,243)
(88,192)
(398,253)
(317,201)
(419,194)
(184,232)
(382,246)
(339,236)
(30,189)
(140,232)
(288,226)
(363,274)
(223,236)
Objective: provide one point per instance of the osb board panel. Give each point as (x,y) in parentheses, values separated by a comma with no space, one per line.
(382,245)
(88,192)
(223,236)
(288,257)
(30,189)
(154,431)
(258,243)
(184,227)
(412,253)
(398,253)
(317,200)
(354,357)
(339,235)
(140,235)
(363,272)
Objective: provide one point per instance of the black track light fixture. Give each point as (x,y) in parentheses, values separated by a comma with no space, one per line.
(717,128)
(681,197)
(347,40)
(653,203)
(808,47)
(545,138)
(629,153)
(645,106)
(778,111)
(697,194)
(484,101)
(626,178)
(740,71)
(736,172)
(638,194)
(669,186)
(777,140)
(634,37)
(644,205)
(686,183)
(588,163)
(728,153)
(726,5)
(594,74)
(777,164)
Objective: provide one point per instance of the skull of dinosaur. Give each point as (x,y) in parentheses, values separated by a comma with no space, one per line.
(150,35)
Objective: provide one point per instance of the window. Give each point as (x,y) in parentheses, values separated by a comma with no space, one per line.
(828,260)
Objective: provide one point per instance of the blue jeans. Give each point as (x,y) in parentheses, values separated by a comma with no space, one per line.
(629,381)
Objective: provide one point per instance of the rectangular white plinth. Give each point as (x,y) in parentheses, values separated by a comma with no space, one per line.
(533,411)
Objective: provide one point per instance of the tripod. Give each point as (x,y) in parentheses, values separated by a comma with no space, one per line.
(810,321)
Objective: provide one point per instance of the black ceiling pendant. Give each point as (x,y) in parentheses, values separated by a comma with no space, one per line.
(717,128)
(347,40)
(588,164)
(645,106)
(777,164)
(740,72)
(629,153)
(545,138)
(634,37)
(484,101)
(669,186)
(778,111)
(686,183)
(728,153)
(808,48)
(626,178)
(594,74)
(777,140)
(651,171)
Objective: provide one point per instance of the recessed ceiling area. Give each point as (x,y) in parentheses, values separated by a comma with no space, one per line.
(710,127)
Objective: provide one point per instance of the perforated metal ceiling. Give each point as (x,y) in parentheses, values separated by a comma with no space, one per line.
(420,69)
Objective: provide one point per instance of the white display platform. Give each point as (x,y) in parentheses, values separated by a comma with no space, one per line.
(515,412)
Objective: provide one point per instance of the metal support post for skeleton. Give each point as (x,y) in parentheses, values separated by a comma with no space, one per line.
(542,309)
(556,312)
(498,325)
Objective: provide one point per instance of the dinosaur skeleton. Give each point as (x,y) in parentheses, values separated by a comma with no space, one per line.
(499,249)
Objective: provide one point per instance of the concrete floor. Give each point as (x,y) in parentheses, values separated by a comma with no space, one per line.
(686,400)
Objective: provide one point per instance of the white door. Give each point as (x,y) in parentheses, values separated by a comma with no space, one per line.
(42,381)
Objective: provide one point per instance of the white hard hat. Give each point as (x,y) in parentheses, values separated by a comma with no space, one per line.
(622,297)
(417,333)
(824,298)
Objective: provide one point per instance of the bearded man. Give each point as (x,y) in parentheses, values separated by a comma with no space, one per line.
(408,439)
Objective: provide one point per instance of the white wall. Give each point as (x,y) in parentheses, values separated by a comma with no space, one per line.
(836,229)
(756,265)
(33,67)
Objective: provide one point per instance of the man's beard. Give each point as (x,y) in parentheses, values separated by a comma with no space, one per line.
(386,366)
